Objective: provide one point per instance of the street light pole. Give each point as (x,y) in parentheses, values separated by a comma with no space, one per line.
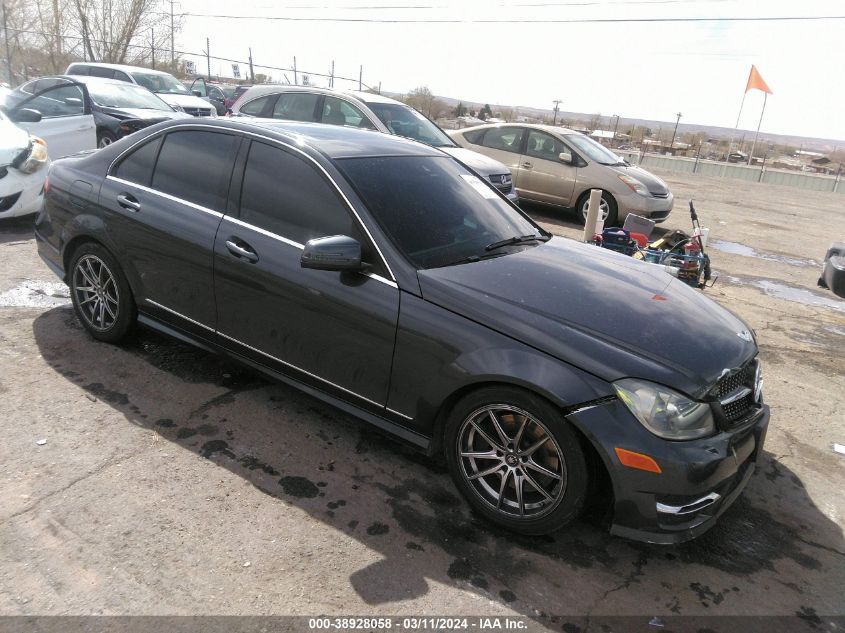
(554,116)
(678,120)
(615,127)
(8,50)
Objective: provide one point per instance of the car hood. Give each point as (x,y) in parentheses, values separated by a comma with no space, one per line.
(480,163)
(652,182)
(186,101)
(603,312)
(13,140)
(144,114)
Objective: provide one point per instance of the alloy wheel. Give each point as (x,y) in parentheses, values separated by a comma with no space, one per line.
(511,461)
(96,292)
(104,141)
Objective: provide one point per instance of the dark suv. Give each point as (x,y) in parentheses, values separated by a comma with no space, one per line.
(383,277)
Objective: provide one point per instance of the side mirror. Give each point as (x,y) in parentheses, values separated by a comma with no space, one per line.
(196,93)
(337,252)
(565,157)
(25,115)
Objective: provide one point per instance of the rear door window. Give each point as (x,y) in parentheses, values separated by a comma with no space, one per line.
(296,106)
(256,107)
(97,71)
(339,112)
(507,139)
(196,166)
(545,146)
(137,167)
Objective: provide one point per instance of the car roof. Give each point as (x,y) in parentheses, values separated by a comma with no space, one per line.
(87,79)
(553,129)
(333,141)
(366,97)
(124,67)
(370,97)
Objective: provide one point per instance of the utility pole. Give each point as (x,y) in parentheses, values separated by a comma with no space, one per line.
(251,70)
(331,80)
(57,27)
(295,80)
(360,77)
(8,50)
(554,114)
(208,57)
(678,120)
(379,87)
(615,127)
(172,41)
(153,47)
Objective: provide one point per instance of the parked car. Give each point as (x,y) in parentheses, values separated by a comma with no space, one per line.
(557,166)
(737,157)
(369,111)
(23,167)
(163,84)
(58,113)
(119,108)
(221,96)
(386,279)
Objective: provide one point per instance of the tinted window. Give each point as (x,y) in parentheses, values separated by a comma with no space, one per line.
(58,102)
(137,167)
(196,166)
(545,146)
(339,112)
(96,71)
(256,106)
(508,139)
(435,211)
(474,136)
(286,195)
(404,121)
(78,70)
(121,76)
(295,106)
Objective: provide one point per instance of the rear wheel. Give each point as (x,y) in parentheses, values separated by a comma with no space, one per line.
(105,138)
(100,293)
(607,208)
(516,460)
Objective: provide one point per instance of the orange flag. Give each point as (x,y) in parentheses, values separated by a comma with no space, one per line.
(755,81)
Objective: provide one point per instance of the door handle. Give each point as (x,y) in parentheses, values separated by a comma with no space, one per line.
(128,202)
(527,165)
(244,250)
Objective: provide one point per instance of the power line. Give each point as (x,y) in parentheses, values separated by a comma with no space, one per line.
(790,18)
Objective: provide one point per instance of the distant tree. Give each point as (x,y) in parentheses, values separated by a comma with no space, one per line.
(260,78)
(485,112)
(595,122)
(460,109)
(423,99)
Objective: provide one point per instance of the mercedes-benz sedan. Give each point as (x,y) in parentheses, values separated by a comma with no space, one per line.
(381,276)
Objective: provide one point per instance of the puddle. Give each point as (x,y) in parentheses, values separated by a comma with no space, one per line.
(36,294)
(735,248)
(780,290)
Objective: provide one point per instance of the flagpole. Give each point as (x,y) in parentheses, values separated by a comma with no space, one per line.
(751,155)
(736,127)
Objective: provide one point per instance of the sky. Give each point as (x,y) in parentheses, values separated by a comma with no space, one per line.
(529,53)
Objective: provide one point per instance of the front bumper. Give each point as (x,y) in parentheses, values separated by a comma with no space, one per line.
(700,479)
(657,209)
(25,191)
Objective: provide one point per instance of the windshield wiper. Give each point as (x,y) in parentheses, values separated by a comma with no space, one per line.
(516,239)
(469,259)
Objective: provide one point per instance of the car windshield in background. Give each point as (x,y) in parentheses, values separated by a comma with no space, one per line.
(593,150)
(434,210)
(228,91)
(125,96)
(405,121)
(162,84)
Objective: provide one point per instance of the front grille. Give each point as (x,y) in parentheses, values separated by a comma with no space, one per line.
(660,195)
(197,111)
(502,182)
(735,393)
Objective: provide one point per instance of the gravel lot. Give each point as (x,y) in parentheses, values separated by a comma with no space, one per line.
(173,482)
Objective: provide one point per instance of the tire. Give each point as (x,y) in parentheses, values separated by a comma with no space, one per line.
(607,202)
(105,138)
(102,299)
(508,467)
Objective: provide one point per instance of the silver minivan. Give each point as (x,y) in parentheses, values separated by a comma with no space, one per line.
(558,166)
(369,111)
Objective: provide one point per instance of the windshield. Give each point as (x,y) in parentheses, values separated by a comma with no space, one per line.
(435,211)
(404,121)
(125,96)
(593,150)
(161,83)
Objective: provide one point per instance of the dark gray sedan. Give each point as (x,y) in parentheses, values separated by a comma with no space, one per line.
(385,278)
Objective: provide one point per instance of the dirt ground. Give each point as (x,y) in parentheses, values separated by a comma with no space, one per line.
(173,482)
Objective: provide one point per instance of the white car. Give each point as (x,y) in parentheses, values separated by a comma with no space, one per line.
(165,85)
(23,168)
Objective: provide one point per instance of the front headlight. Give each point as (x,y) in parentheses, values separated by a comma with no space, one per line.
(634,184)
(665,412)
(33,158)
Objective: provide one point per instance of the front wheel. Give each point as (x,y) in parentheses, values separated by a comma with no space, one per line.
(105,138)
(100,293)
(516,460)
(607,208)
